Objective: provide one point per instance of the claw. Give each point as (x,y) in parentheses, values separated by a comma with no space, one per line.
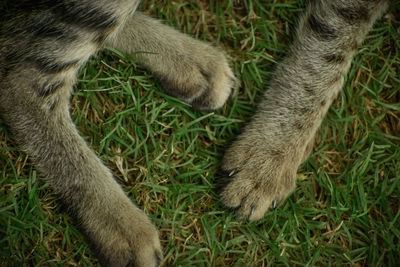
(251,211)
(274,203)
(231,173)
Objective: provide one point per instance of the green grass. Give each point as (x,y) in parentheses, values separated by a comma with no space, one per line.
(345,210)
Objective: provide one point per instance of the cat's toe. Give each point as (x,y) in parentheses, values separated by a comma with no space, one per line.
(250,196)
(222,84)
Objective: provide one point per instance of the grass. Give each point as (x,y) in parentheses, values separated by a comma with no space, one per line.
(345,210)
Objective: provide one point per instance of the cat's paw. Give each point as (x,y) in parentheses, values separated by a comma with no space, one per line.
(127,239)
(254,177)
(201,77)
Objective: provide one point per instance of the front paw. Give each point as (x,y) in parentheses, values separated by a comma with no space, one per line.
(255,175)
(127,238)
(201,77)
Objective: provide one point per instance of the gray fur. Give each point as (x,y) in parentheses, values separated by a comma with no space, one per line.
(43,43)
(280,136)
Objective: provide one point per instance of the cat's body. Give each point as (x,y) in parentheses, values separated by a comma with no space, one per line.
(43,44)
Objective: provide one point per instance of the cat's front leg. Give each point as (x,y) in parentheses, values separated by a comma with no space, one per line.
(119,231)
(259,168)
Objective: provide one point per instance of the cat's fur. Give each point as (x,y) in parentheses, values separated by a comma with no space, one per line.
(43,43)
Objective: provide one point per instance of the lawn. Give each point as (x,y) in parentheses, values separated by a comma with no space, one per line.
(345,210)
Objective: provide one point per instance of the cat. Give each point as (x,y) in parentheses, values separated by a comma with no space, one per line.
(43,44)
